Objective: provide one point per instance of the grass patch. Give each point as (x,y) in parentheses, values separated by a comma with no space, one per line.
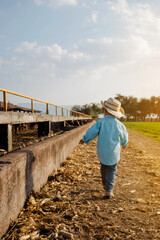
(150,129)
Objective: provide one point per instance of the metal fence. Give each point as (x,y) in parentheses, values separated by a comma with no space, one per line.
(68,112)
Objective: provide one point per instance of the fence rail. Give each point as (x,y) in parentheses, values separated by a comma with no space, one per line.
(72,113)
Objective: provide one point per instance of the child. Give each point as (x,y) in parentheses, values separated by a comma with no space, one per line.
(112,134)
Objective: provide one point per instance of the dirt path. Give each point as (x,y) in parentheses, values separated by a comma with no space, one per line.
(71,204)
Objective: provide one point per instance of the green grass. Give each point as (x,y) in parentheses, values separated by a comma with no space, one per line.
(150,129)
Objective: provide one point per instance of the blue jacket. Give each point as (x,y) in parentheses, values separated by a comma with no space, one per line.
(111,135)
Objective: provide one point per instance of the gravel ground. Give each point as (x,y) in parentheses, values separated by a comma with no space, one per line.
(71,204)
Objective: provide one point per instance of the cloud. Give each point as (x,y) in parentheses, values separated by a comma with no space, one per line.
(95,16)
(3,62)
(32,61)
(76,55)
(117,50)
(139,18)
(144,21)
(32,50)
(89,56)
(120,7)
(98,65)
(95,65)
(53,53)
(91,60)
(55,3)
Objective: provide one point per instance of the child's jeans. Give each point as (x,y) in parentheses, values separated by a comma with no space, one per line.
(108,174)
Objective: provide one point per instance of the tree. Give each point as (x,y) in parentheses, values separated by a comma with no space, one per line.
(158,107)
(86,109)
(92,109)
(76,108)
(134,109)
(153,105)
(144,108)
(95,110)
(130,105)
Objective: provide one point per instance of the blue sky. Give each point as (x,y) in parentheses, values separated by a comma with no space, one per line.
(80,51)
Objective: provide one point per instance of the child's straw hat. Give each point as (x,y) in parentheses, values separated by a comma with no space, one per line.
(113,106)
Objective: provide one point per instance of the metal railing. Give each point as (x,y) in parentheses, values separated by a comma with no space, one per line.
(72,113)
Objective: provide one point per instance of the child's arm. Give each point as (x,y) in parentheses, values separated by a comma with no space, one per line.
(91,133)
(123,137)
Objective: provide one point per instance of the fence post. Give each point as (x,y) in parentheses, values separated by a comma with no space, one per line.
(32,106)
(5,101)
(62,111)
(56,110)
(47,108)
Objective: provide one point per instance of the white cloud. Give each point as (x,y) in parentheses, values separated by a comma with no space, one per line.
(96,64)
(26,46)
(139,18)
(32,50)
(89,59)
(117,50)
(95,16)
(31,59)
(3,61)
(46,63)
(120,7)
(144,22)
(55,3)
(92,68)
(79,55)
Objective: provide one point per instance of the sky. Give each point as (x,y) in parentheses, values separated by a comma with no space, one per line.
(70,52)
